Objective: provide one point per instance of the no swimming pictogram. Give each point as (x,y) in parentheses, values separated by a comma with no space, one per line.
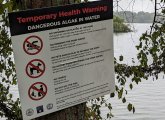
(35,68)
(37,91)
(32,45)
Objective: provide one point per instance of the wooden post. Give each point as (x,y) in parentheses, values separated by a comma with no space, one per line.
(73,113)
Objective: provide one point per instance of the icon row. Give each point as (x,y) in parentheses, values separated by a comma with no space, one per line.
(39,109)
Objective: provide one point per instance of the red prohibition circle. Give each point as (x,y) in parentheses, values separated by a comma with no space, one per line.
(33,46)
(32,87)
(35,68)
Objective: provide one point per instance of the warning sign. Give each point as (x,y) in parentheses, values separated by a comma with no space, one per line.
(32,45)
(35,68)
(37,91)
(64,55)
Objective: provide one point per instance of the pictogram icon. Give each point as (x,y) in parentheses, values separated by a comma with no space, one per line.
(35,68)
(37,91)
(32,45)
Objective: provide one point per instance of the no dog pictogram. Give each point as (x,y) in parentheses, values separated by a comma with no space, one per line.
(32,45)
(35,68)
(37,91)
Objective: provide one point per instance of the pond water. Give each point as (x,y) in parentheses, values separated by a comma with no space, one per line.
(149,96)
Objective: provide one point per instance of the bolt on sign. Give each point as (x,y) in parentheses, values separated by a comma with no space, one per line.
(64,55)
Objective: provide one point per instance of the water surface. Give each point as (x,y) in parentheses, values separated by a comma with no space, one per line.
(149,96)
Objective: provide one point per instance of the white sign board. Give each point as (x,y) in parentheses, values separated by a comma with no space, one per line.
(63,55)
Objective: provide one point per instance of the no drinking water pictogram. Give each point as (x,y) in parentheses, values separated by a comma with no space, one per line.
(37,91)
(35,68)
(32,45)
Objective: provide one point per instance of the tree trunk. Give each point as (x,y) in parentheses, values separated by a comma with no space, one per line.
(73,113)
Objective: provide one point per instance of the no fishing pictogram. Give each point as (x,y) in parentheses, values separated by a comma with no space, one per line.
(32,45)
(37,91)
(35,68)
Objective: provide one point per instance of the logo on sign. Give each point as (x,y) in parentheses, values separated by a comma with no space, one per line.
(32,45)
(40,109)
(35,68)
(49,106)
(37,91)
(29,112)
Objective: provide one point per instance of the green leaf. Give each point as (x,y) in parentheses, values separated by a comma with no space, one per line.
(120,93)
(3,80)
(131,86)
(121,58)
(116,87)
(14,82)
(112,95)
(136,79)
(98,99)
(124,100)
(108,115)
(109,106)
(10,95)
(98,112)
(129,107)
(117,77)
(133,109)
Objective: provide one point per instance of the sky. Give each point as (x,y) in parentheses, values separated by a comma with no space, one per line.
(135,5)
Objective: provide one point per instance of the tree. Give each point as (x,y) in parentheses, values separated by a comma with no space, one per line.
(151,45)
(8,107)
(119,25)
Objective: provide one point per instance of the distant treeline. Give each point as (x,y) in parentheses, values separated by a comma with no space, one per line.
(132,17)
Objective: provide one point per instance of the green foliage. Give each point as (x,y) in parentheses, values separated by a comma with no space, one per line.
(8,107)
(4,5)
(130,107)
(94,113)
(119,25)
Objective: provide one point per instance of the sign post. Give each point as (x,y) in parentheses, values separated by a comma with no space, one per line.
(64,55)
